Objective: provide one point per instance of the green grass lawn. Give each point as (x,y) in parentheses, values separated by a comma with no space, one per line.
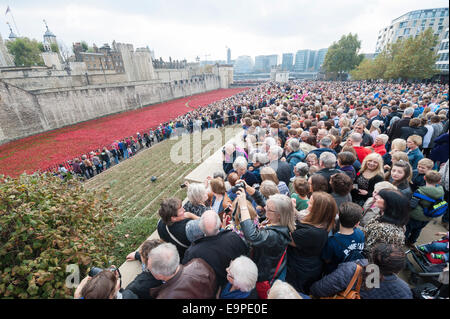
(137,197)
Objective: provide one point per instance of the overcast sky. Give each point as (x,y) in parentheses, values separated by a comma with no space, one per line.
(186,29)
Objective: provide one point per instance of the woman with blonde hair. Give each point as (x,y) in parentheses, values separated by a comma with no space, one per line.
(371,172)
(397,145)
(308,240)
(268,173)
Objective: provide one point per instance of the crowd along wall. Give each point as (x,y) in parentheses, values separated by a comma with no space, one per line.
(27,112)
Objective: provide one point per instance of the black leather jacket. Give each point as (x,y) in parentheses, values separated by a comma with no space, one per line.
(269,244)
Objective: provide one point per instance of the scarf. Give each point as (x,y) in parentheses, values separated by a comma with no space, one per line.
(236,294)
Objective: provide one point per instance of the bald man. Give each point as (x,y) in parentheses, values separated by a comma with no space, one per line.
(218,248)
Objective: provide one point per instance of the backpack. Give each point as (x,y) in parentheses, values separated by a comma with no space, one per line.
(349,293)
(439,207)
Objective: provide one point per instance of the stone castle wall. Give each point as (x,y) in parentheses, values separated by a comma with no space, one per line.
(41,103)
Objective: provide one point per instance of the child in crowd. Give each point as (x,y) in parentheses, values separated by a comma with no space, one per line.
(423,166)
(341,184)
(301,188)
(414,154)
(348,243)
(345,162)
(437,247)
(417,218)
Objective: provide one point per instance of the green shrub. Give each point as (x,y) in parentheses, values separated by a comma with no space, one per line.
(45,225)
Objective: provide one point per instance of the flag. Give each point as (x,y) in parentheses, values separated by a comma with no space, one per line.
(7,10)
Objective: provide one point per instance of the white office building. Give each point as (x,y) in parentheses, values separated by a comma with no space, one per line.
(442,62)
(413,23)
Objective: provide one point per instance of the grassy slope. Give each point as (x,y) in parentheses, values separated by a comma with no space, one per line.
(137,197)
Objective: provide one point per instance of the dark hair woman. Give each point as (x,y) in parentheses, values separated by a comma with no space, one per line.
(172,225)
(389,228)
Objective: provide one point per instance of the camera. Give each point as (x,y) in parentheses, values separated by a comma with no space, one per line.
(96,270)
(236,187)
(223,151)
(227,210)
(183,185)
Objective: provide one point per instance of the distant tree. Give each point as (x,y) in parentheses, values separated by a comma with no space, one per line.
(54,47)
(412,58)
(41,47)
(371,69)
(26,52)
(85,46)
(342,56)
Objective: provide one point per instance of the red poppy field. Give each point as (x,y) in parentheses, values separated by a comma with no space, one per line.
(48,149)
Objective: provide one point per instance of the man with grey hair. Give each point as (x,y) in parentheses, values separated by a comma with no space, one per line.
(301,169)
(195,280)
(396,128)
(217,248)
(324,144)
(283,169)
(293,152)
(240,167)
(327,163)
(305,147)
(367,139)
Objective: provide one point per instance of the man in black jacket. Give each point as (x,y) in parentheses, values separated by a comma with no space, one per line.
(367,139)
(217,248)
(396,129)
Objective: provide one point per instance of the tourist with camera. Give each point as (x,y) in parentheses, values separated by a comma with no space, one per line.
(103,284)
(270,240)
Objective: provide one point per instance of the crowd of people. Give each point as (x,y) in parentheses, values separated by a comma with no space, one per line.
(330,179)
(218,114)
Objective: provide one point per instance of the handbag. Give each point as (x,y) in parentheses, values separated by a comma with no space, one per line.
(349,293)
(263,287)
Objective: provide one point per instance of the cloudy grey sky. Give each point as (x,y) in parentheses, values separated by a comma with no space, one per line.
(186,29)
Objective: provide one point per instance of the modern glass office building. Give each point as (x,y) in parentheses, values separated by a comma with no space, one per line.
(413,23)
(442,62)
(287,62)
